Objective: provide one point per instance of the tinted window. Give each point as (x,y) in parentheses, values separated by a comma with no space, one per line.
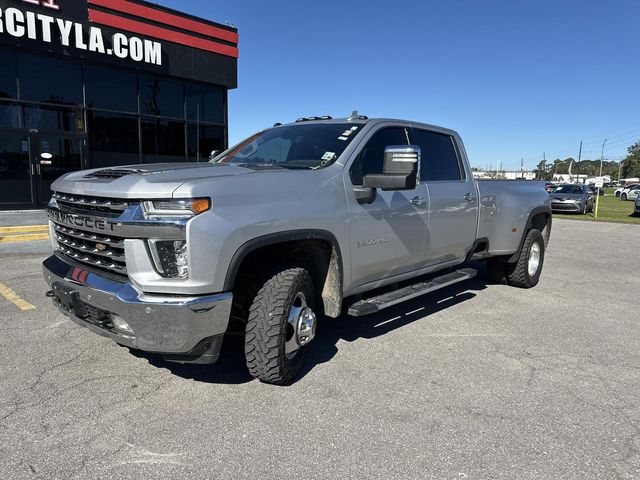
(113,139)
(370,160)
(439,158)
(9,115)
(570,189)
(8,84)
(203,140)
(49,79)
(51,118)
(161,96)
(162,141)
(111,89)
(205,103)
(15,180)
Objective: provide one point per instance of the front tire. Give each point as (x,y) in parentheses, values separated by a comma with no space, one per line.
(281,322)
(525,273)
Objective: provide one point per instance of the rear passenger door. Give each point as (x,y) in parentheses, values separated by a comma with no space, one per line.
(453,209)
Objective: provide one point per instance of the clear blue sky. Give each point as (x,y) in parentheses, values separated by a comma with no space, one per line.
(514,78)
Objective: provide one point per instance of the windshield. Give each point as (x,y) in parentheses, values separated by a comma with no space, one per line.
(303,147)
(573,189)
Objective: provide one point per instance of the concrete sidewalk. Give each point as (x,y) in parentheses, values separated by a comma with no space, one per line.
(22,218)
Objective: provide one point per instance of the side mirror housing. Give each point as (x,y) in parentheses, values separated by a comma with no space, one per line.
(400,171)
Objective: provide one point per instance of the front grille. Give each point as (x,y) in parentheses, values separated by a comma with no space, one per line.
(113,173)
(82,204)
(96,250)
(100,250)
(569,207)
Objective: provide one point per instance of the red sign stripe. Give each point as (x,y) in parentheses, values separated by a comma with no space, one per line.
(167,18)
(161,33)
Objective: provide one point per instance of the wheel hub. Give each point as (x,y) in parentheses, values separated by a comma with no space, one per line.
(534,259)
(302,326)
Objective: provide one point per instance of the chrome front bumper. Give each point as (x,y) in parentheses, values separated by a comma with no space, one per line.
(184,329)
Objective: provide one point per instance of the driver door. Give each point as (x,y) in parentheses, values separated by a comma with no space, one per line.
(388,236)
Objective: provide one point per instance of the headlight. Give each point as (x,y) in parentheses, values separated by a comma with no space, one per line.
(184,208)
(170,257)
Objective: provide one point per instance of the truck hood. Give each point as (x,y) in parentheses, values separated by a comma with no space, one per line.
(158,180)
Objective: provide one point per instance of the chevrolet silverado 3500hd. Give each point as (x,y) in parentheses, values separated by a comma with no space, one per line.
(300,220)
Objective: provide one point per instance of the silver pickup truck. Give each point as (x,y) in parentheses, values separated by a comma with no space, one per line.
(317,217)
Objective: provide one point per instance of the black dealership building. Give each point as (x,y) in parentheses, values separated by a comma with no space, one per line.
(97,83)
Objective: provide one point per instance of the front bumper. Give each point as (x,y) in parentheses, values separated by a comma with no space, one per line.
(183,329)
(566,206)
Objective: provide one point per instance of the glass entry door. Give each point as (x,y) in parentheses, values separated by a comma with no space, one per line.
(15,171)
(51,157)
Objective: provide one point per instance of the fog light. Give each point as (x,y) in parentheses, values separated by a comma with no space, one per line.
(170,257)
(120,325)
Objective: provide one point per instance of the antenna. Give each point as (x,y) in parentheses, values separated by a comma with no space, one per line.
(354,116)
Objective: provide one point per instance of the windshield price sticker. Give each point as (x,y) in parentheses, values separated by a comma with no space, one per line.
(328,156)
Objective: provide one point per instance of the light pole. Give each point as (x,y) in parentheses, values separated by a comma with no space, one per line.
(602,155)
(620,170)
(600,179)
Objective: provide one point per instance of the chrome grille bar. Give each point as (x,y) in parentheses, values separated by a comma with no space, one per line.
(79,234)
(91,248)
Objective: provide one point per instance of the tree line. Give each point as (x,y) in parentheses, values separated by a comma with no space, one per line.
(591,168)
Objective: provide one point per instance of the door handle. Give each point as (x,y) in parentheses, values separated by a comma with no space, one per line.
(470,197)
(418,201)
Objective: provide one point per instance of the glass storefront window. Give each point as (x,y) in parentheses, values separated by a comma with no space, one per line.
(8,83)
(113,139)
(111,88)
(205,103)
(49,79)
(9,115)
(203,139)
(161,96)
(51,118)
(162,141)
(15,178)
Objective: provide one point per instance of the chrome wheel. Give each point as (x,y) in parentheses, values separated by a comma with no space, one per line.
(301,328)
(534,260)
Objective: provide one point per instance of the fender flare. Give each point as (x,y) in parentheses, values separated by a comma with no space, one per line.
(536,211)
(281,237)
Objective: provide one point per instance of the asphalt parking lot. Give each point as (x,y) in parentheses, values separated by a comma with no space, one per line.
(478,381)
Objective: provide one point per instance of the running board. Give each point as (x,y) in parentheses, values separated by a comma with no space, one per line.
(386,300)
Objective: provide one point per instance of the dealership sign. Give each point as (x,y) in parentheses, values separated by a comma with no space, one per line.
(45,28)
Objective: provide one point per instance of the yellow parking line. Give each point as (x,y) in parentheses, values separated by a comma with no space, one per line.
(25,229)
(13,297)
(31,237)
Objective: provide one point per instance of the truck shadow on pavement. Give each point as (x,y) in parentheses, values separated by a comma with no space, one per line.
(231,368)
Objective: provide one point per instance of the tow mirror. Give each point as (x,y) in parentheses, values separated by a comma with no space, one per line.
(400,170)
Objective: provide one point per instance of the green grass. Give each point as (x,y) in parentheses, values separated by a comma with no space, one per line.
(611,209)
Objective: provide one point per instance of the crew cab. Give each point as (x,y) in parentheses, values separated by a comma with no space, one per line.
(334,217)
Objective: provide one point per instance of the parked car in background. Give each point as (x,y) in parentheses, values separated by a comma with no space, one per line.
(572,198)
(595,190)
(623,190)
(632,194)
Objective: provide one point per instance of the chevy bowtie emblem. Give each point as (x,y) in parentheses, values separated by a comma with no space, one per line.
(101,247)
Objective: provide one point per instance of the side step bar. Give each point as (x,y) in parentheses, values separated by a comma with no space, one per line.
(386,300)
